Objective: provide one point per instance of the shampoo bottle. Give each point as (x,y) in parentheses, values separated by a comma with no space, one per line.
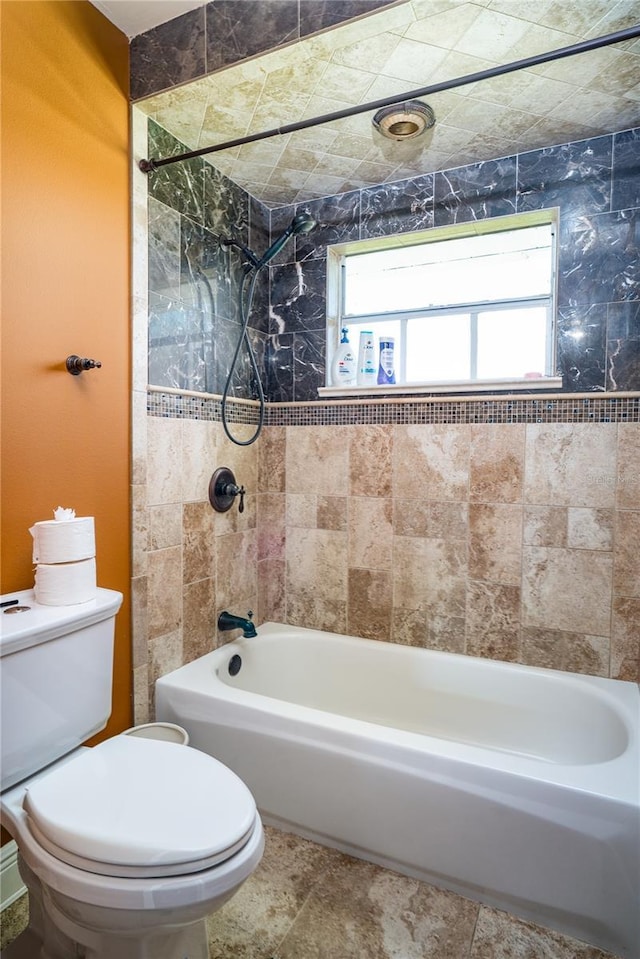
(367,372)
(343,368)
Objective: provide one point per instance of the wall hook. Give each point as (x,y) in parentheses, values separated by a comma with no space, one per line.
(77,364)
(223,489)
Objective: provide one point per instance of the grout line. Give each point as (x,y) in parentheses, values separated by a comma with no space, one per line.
(473,934)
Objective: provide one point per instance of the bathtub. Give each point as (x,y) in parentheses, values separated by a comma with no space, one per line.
(514,786)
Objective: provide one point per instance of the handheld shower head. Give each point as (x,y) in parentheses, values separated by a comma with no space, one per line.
(301,223)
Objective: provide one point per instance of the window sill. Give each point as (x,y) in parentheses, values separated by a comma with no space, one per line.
(460,386)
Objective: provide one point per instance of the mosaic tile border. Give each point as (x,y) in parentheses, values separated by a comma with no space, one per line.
(574,409)
(186,406)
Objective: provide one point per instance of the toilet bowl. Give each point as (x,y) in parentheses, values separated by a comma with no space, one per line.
(125,847)
(129,849)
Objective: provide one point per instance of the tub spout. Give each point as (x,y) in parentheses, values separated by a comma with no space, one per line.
(228,621)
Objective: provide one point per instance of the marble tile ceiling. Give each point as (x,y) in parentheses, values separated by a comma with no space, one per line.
(401,48)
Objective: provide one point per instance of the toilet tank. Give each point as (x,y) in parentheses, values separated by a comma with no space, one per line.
(56,671)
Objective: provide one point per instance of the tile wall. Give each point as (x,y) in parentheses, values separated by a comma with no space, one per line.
(508,541)
(190,562)
(471,527)
(194,280)
(512,541)
(224,32)
(594,183)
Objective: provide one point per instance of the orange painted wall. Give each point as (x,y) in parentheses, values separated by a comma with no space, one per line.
(65,289)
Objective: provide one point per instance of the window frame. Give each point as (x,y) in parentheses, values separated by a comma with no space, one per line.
(336,257)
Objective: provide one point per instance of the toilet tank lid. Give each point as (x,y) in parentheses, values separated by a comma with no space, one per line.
(39,623)
(142,802)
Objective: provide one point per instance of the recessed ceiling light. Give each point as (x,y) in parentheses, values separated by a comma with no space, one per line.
(404,121)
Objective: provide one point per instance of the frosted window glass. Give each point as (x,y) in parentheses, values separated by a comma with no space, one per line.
(464,303)
(472,269)
(511,343)
(438,349)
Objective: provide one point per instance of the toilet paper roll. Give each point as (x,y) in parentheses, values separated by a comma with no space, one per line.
(65,584)
(65,541)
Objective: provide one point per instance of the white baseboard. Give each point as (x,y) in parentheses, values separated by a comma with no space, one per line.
(11,885)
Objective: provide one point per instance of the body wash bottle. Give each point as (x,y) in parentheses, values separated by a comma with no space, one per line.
(343,368)
(367,372)
(386,371)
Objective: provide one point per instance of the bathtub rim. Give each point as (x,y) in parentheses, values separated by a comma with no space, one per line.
(615,779)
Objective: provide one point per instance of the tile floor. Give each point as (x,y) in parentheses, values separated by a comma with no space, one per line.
(309,902)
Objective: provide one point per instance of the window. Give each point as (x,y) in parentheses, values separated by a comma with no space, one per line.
(466,305)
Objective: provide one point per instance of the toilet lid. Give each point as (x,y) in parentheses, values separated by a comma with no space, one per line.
(135,806)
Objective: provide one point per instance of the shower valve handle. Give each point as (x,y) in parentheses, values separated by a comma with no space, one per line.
(232,490)
(223,490)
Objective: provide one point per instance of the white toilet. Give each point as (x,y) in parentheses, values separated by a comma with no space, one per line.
(125,847)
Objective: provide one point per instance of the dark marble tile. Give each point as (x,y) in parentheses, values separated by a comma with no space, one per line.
(279,378)
(316,15)
(599,259)
(623,347)
(242,382)
(234,280)
(337,221)
(225,206)
(180,352)
(237,29)
(227,275)
(180,185)
(580,348)
(475,192)
(308,365)
(197,364)
(259,219)
(398,207)
(193,334)
(298,297)
(623,320)
(573,176)
(197,258)
(210,272)
(623,365)
(279,220)
(167,325)
(259,312)
(164,249)
(260,346)
(626,170)
(271,229)
(170,54)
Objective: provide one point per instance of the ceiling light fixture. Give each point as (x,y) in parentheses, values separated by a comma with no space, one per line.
(404,121)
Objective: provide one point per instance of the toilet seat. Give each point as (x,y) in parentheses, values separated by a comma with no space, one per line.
(138,808)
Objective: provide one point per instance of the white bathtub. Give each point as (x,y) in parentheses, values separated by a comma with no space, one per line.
(515,786)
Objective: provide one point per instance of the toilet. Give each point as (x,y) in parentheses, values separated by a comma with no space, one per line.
(127,846)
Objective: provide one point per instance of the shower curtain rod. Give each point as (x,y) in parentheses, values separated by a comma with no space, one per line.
(151,165)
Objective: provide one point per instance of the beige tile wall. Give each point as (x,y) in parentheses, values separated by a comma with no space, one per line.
(511,542)
(508,541)
(190,562)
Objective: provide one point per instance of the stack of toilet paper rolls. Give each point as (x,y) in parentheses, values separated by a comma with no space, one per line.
(64,550)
